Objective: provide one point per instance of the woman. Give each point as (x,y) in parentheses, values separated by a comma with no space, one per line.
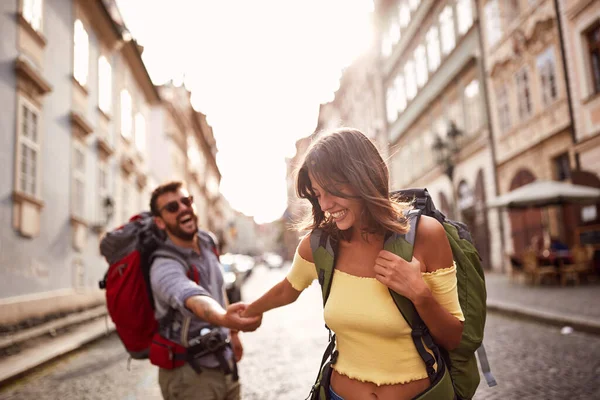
(346,181)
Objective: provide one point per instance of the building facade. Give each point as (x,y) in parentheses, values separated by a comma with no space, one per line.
(529,106)
(85,137)
(183,147)
(580,22)
(434,92)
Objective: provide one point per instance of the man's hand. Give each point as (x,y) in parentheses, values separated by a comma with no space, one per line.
(234,320)
(236,344)
(210,311)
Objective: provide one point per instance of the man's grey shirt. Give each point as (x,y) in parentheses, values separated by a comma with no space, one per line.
(172,286)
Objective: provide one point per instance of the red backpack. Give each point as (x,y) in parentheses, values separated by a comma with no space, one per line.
(129,300)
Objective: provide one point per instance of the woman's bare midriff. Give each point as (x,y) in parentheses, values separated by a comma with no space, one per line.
(352,389)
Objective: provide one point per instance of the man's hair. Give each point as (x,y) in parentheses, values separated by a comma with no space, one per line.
(159,191)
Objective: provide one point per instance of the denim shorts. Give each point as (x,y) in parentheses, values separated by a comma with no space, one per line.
(334,395)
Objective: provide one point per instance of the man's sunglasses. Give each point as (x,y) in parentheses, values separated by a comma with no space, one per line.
(173,206)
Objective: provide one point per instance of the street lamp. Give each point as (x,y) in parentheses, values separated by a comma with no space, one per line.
(445,152)
(108,205)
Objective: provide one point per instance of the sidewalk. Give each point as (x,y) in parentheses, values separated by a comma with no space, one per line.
(574,306)
(41,344)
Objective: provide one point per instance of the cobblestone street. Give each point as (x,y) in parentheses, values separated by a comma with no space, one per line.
(529,360)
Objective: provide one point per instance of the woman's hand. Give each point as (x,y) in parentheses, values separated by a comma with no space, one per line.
(401,276)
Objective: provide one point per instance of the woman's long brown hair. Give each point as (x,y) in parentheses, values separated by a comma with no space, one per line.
(346,156)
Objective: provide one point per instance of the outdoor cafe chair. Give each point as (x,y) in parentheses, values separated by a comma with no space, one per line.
(535,271)
(580,267)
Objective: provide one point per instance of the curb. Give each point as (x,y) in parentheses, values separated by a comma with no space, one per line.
(13,366)
(578,323)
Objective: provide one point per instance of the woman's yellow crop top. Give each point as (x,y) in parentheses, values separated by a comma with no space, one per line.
(373,338)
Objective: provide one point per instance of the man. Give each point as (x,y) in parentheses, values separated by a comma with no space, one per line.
(189,312)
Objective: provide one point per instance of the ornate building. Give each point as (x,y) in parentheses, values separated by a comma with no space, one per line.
(581,37)
(74,137)
(436,116)
(529,105)
(183,147)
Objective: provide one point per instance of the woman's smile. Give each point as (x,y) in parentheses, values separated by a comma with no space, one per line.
(339,215)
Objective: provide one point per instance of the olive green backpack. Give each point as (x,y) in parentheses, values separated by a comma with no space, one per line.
(457,373)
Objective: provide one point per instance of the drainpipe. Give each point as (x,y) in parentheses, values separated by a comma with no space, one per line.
(567,81)
(486,99)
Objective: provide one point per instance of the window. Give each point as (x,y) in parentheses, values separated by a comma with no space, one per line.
(593,39)
(523,94)
(562,167)
(78,189)
(212,185)
(140,132)
(400,93)
(28,150)
(472,107)
(464,12)
(390,106)
(440,127)
(394,32)
(547,71)
(455,113)
(503,108)
(410,81)
(404,12)
(192,152)
(447,30)
(421,65)
(589,213)
(104,84)
(492,22)
(32,12)
(433,48)
(81,54)
(126,115)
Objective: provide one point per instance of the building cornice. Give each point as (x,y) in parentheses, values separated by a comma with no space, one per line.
(28,72)
(199,121)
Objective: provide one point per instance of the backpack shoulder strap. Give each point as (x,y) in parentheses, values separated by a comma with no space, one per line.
(324,249)
(403,246)
(191,272)
(212,239)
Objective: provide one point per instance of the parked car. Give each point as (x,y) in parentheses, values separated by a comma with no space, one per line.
(236,269)
(272,260)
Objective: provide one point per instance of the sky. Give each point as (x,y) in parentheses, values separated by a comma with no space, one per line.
(258,70)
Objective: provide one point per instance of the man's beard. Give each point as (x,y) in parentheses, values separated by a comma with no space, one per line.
(175,230)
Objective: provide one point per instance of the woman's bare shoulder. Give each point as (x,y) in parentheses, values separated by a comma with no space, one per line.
(304,249)
(431,244)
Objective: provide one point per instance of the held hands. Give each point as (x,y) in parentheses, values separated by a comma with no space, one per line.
(233,318)
(401,276)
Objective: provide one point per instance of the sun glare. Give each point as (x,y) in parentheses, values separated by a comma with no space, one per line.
(259,74)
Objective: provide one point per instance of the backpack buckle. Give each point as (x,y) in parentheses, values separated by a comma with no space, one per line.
(419,332)
(334,357)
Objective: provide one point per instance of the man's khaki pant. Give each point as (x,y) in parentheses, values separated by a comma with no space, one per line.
(184,383)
